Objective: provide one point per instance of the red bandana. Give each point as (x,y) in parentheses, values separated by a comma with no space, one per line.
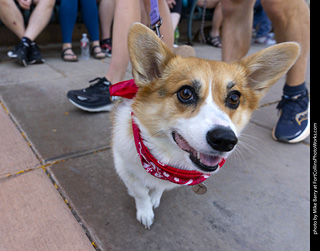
(128,89)
(125,89)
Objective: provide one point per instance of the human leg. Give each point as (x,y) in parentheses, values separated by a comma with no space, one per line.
(39,18)
(175,13)
(68,15)
(125,15)
(166,28)
(89,11)
(217,15)
(96,97)
(291,21)
(11,16)
(237,28)
(261,19)
(216,20)
(106,14)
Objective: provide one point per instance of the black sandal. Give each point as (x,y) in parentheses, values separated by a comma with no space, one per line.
(95,54)
(63,54)
(214,41)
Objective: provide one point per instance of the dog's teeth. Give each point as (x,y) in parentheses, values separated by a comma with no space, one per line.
(198,155)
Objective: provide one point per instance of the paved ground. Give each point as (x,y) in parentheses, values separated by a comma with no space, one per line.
(57,181)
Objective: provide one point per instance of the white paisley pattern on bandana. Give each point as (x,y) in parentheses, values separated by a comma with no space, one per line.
(165,172)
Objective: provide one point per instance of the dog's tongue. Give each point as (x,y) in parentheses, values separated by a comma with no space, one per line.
(207,160)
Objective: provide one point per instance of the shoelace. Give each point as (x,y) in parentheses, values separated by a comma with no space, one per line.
(99,81)
(103,82)
(21,45)
(288,105)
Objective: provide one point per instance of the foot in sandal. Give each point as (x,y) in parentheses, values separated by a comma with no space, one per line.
(213,40)
(68,55)
(97,52)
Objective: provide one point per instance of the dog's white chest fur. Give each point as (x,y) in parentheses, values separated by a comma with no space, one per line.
(146,189)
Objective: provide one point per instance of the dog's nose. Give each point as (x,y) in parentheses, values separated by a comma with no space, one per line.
(222,139)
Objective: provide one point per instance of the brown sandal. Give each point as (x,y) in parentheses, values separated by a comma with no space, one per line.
(63,54)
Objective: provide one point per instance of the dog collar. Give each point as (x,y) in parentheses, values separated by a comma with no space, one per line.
(128,89)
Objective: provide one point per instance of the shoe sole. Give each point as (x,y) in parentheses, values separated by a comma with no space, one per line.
(21,61)
(301,137)
(36,61)
(106,108)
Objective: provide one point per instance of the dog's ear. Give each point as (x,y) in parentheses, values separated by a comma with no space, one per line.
(267,66)
(148,54)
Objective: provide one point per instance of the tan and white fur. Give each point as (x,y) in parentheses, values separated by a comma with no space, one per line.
(190,111)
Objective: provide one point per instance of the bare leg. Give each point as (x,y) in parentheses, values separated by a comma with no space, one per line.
(175,18)
(106,13)
(144,14)
(11,16)
(237,28)
(291,20)
(166,28)
(216,21)
(125,15)
(39,18)
(217,16)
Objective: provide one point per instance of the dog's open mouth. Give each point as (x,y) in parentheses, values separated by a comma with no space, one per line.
(207,163)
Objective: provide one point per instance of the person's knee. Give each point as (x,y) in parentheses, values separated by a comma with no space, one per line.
(49,3)
(230,7)
(6,2)
(284,11)
(275,9)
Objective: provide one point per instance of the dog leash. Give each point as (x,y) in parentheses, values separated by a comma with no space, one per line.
(155,18)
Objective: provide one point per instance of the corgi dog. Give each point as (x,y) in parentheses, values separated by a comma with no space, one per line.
(185,114)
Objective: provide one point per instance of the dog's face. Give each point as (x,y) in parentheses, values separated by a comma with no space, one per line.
(195,109)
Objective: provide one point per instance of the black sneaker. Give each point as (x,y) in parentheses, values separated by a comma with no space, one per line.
(95,98)
(34,55)
(293,125)
(20,53)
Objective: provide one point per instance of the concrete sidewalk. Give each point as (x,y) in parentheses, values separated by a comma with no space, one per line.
(259,201)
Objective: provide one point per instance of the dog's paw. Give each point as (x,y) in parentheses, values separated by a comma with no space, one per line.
(155,196)
(155,201)
(145,217)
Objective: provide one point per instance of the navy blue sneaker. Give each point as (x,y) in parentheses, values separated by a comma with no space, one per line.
(95,98)
(293,125)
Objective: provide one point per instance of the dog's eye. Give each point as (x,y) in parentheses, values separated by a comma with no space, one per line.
(186,95)
(233,99)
